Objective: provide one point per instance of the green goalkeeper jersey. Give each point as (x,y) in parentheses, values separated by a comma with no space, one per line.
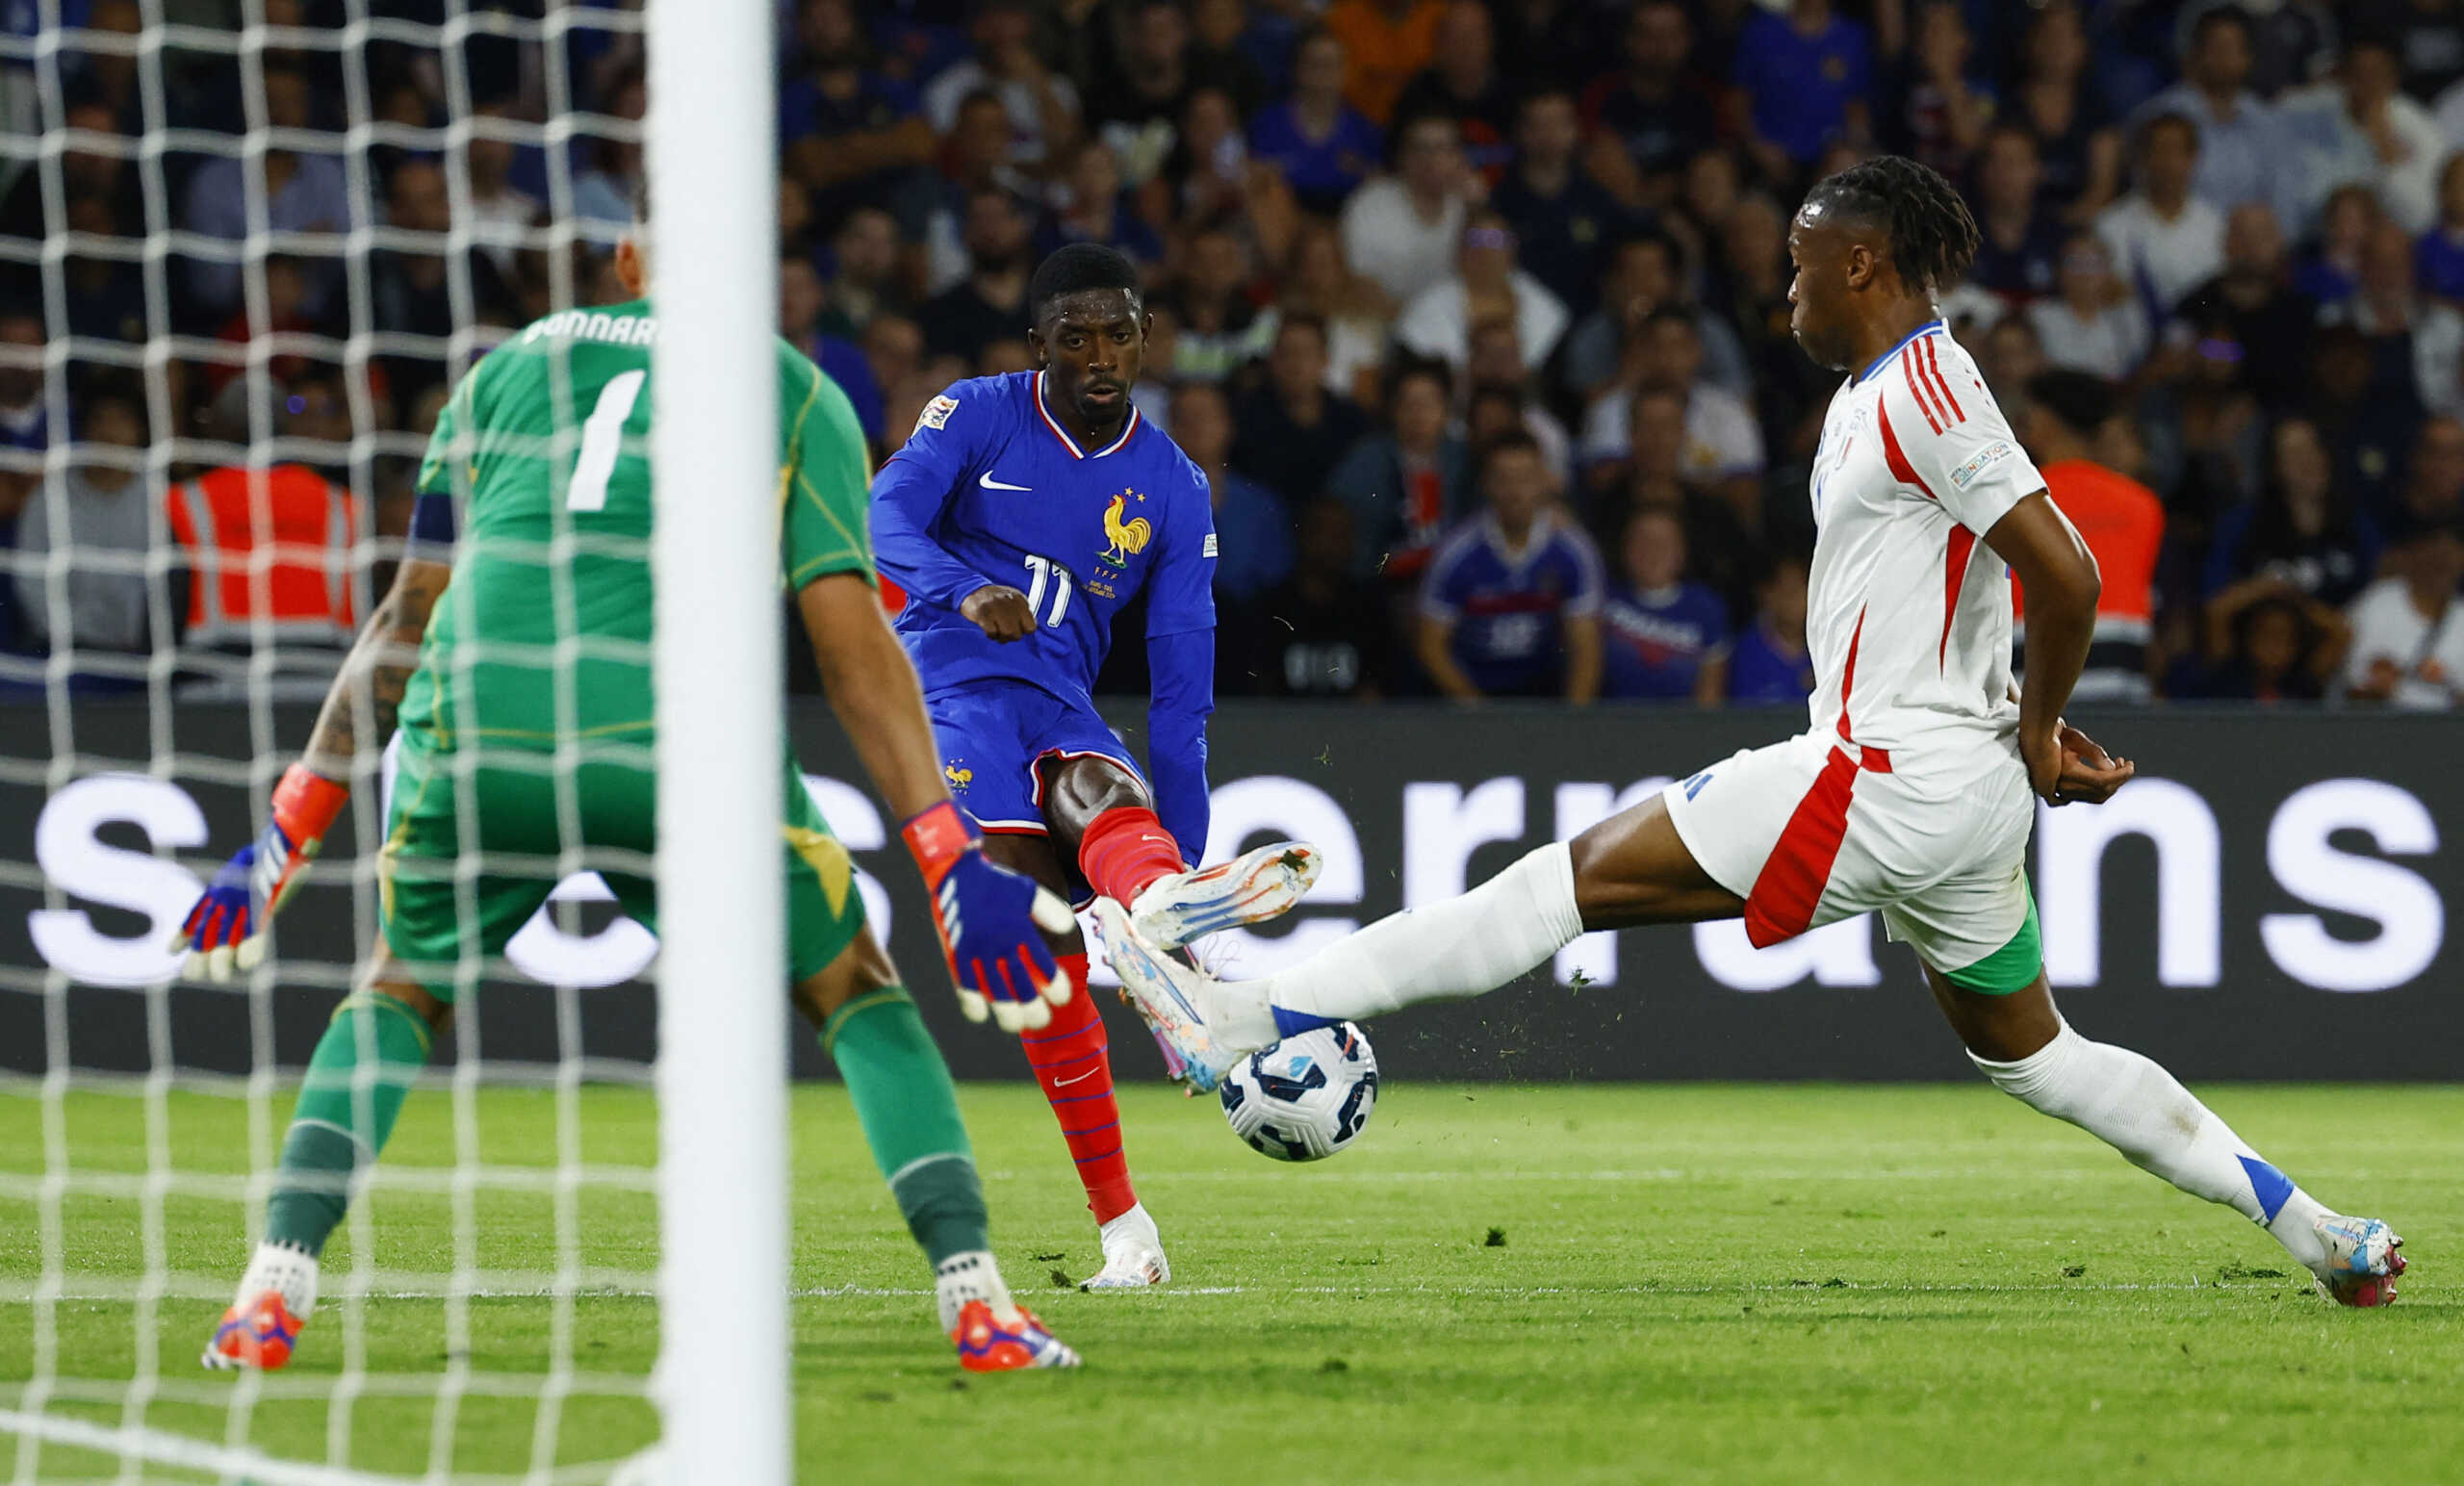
(544,450)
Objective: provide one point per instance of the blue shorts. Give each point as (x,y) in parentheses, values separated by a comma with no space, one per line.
(995,735)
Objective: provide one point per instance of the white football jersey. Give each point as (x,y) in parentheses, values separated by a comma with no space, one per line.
(1907,613)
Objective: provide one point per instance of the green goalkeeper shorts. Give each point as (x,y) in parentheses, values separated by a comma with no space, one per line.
(497,807)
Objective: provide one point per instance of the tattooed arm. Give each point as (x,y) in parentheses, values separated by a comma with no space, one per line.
(366,696)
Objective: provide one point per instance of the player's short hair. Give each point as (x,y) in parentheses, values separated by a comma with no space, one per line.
(1077,268)
(1932,237)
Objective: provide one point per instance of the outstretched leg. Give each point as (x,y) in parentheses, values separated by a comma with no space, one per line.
(2021,1042)
(910,1113)
(1628,870)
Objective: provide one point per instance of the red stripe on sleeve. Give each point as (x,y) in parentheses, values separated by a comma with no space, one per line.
(1892,454)
(1954,573)
(1918,391)
(1934,369)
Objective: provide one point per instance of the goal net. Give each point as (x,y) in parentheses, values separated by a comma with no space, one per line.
(247,249)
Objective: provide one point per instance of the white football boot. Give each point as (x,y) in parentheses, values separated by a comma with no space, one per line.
(2362,1261)
(1184,1008)
(1250,889)
(1132,1254)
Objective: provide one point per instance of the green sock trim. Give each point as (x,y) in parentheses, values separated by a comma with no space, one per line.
(888,995)
(2013,967)
(362,1068)
(910,1113)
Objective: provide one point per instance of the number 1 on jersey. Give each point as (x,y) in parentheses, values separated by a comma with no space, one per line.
(1044,573)
(602,437)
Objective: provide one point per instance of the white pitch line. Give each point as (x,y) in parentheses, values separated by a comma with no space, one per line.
(900,1292)
(178,1450)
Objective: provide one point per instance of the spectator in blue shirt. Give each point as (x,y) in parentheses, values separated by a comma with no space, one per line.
(2019,240)
(1252,526)
(1806,76)
(851,134)
(1769,665)
(1323,146)
(1665,639)
(1647,118)
(1098,211)
(1562,220)
(1511,604)
(2438,263)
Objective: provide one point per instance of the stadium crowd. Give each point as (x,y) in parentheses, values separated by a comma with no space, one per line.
(1475,315)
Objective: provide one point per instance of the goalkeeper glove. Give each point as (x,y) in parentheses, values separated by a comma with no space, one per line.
(226,928)
(991,922)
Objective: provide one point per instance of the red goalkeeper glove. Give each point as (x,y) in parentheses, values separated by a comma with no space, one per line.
(991,922)
(226,928)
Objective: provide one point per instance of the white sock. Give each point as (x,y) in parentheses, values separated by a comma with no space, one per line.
(2136,1107)
(281,1267)
(1135,1220)
(1442,951)
(973,1275)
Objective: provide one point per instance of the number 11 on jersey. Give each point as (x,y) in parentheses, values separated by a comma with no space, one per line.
(1044,573)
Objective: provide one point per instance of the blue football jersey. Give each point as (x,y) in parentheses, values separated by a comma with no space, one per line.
(989,488)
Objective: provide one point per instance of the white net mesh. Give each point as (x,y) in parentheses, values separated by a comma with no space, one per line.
(244,250)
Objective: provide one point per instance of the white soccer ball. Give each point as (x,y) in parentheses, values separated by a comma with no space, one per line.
(1306,1097)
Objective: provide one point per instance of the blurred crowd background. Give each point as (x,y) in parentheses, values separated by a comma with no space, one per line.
(1475,313)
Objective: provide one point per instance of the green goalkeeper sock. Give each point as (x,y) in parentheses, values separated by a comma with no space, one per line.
(372,1053)
(910,1112)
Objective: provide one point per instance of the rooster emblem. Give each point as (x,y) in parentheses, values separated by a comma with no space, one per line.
(1126,537)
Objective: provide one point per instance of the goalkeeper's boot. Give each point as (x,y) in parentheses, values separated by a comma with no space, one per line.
(263,1323)
(2362,1261)
(1180,1004)
(1250,889)
(986,1344)
(1132,1254)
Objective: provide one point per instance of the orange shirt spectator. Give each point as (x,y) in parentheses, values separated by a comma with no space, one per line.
(1386,42)
(2121,521)
(275,544)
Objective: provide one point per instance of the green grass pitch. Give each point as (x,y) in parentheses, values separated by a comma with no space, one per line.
(1800,1284)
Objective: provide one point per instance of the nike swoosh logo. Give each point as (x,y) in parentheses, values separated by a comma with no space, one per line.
(986,481)
(1060,1082)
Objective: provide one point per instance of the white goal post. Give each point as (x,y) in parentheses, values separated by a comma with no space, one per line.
(723,1060)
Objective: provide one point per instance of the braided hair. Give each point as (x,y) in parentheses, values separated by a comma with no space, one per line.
(1933,238)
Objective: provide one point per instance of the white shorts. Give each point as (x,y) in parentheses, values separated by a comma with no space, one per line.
(1815,829)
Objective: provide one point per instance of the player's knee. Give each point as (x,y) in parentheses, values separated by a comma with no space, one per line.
(1084,788)
(863,967)
(386,978)
(1632,869)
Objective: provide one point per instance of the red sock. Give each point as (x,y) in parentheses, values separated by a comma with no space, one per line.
(1125,848)
(1069,1059)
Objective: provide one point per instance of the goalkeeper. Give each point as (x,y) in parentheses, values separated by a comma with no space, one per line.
(526,549)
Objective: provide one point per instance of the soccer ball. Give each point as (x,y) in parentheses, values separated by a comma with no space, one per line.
(1306,1097)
